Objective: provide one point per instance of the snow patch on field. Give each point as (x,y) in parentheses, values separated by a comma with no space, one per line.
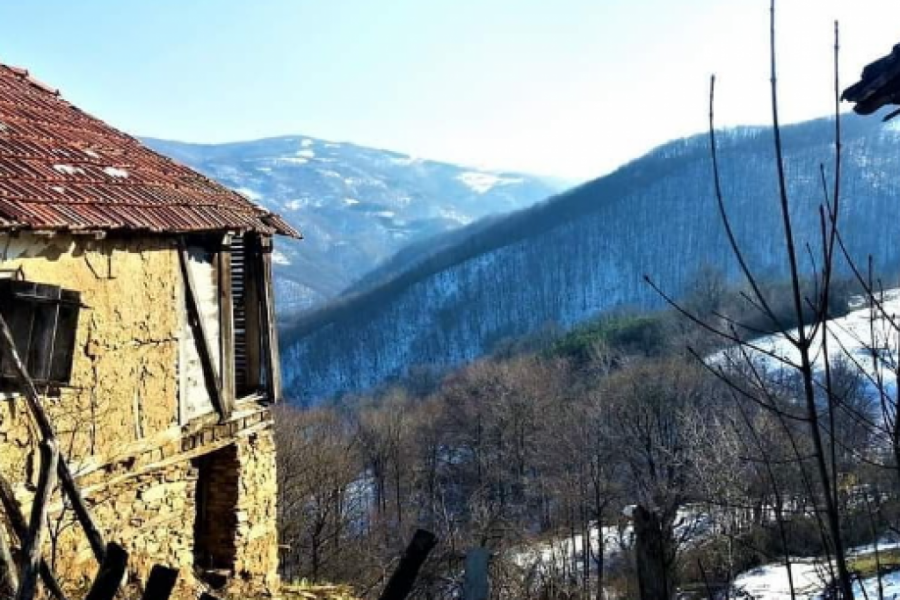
(482,183)
(771,582)
(294,160)
(455,215)
(850,338)
(406,160)
(811,577)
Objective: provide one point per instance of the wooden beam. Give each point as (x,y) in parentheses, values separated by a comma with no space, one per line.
(110,574)
(267,313)
(20,529)
(31,552)
(195,320)
(160,584)
(8,348)
(401,582)
(226,321)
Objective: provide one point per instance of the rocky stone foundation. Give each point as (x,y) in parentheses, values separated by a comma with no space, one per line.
(167,515)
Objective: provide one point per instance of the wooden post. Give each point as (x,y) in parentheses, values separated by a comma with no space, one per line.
(267,314)
(9,582)
(401,582)
(226,321)
(475,585)
(160,584)
(110,574)
(20,529)
(31,552)
(8,347)
(195,319)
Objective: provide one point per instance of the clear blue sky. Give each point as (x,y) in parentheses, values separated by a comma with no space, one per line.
(564,87)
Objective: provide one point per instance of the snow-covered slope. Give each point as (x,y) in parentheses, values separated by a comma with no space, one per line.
(810,577)
(587,250)
(865,339)
(356,206)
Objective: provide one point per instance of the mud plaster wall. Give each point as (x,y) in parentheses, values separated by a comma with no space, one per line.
(123,385)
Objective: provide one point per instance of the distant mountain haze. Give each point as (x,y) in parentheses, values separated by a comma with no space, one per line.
(356,206)
(586,251)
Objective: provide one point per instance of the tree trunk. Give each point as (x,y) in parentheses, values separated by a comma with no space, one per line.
(651,555)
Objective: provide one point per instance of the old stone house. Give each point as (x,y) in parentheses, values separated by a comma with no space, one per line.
(139,296)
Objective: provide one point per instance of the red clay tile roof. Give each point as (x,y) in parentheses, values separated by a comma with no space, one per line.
(62,169)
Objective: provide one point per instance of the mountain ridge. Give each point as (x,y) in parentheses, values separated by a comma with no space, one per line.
(357,206)
(586,250)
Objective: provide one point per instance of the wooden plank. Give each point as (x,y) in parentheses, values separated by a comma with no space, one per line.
(195,319)
(475,583)
(8,348)
(226,322)
(267,313)
(110,574)
(20,529)
(160,584)
(401,582)
(9,581)
(31,552)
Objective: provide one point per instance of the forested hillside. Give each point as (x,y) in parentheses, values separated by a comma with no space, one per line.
(587,250)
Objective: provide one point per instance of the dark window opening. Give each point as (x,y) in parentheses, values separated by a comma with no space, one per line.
(43,320)
(248,316)
(215,525)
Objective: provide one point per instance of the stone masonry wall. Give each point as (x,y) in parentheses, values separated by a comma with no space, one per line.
(153,515)
(256,540)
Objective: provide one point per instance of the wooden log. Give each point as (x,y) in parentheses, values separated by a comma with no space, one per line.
(204,350)
(8,348)
(9,581)
(110,574)
(20,529)
(160,584)
(401,582)
(475,583)
(31,552)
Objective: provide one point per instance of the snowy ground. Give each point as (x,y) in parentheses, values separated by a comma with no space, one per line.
(692,525)
(851,339)
(770,582)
